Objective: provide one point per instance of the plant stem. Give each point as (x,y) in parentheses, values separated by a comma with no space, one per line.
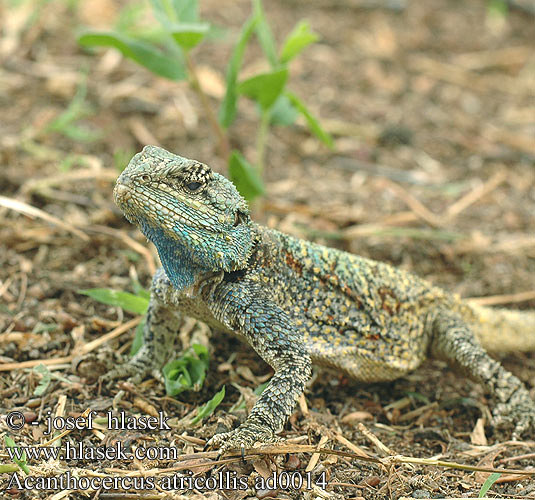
(223,144)
(261,140)
(4,469)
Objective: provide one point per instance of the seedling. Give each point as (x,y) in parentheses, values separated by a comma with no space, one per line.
(166,50)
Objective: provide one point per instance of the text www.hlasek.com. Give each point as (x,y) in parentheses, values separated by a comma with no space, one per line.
(80,452)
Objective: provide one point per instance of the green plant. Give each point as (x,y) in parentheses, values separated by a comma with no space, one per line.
(21,462)
(184,373)
(488,483)
(208,408)
(128,301)
(135,303)
(187,372)
(497,8)
(67,122)
(166,49)
(121,158)
(46,377)
(276,104)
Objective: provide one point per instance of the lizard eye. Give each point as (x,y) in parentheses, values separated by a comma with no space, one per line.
(193,186)
(144,178)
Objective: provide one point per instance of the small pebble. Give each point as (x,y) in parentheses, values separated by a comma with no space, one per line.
(266,493)
(421,494)
(30,416)
(293,462)
(371,481)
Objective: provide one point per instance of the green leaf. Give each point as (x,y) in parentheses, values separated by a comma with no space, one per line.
(228,106)
(77,109)
(245,177)
(188,35)
(260,389)
(313,123)
(264,88)
(149,56)
(488,483)
(46,377)
(40,327)
(187,372)
(296,41)
(283,112)
(209,407)
(81,134)
(127,301)
(497,8)
(265,37)
(20,462)
(163,12)
(187,11)
(139,290)
(138,338)
(66,163)
(129,16)
(418,396)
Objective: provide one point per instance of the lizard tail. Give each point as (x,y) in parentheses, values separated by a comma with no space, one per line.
(505,330)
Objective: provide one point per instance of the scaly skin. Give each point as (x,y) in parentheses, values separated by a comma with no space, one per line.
(296,302)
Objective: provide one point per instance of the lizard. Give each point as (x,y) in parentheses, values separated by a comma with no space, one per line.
(297,302)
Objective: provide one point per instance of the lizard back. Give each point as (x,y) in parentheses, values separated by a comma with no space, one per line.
(348,307)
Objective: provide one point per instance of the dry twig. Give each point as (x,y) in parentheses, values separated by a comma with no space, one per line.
(31,211)
(86,348)
(494,300)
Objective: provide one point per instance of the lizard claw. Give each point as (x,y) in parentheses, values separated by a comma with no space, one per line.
(125,371)
(241,438)
(517,413)
(131,372)
(134,370)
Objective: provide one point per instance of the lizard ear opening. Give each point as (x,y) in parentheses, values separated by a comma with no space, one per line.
(239,218)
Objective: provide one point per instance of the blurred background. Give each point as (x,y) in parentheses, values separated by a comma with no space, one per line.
(425,101)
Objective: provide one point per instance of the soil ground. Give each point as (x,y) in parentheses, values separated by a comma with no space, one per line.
(432,108)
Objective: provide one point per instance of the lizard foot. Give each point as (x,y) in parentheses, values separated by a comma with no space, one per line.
(134,370)
(243,437)
(518,413)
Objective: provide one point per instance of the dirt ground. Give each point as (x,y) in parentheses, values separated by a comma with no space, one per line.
(432,108)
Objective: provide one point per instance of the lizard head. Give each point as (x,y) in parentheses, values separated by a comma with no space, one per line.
(194,216)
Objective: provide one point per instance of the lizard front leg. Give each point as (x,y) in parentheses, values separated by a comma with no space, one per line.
(245,309)
(161,327)
(454,341)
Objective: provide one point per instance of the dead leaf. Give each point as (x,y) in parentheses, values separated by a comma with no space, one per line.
(477,436)
(356,416)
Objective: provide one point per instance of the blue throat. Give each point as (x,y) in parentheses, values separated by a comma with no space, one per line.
(177,260)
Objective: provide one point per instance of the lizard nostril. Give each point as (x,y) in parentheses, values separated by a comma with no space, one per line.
(121,192)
